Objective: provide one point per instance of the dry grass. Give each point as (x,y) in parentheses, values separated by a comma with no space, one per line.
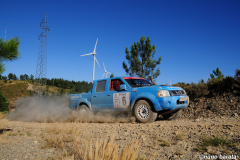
(179,137)
(60,134)
(74,145)
(165,143)
(12,91)
(4,138)
(2,115)
(3,122)
(15,89)
(176,138)
(179,153)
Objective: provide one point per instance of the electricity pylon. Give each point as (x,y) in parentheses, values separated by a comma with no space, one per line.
(41,71)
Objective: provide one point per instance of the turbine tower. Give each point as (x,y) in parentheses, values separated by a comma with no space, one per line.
(5,34)
(41,70)
(95,59)
(105,71)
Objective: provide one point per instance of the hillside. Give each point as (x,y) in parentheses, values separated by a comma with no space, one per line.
(16,89)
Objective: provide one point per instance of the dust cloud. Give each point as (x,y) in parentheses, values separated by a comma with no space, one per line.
(33,109)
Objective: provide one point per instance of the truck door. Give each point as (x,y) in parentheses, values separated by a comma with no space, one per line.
(97,98)
(116,99)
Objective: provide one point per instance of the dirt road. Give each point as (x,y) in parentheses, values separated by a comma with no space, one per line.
(177,139)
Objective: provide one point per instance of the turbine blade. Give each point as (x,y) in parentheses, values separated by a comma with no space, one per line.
(97,62)
(103,75)
(87,54)
(94,51)
(109,72)
(104,66)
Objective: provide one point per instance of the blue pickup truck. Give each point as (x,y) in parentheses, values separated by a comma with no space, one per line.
(144,99)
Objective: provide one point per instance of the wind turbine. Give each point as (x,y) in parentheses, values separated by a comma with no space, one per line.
(93,53)
(106,72)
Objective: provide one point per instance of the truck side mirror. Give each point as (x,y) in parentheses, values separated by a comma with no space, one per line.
(123,87)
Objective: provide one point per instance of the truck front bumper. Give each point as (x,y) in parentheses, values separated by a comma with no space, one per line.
(172,103)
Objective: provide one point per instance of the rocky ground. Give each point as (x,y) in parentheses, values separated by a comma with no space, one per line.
(177,139)
(208,129)
(226,104)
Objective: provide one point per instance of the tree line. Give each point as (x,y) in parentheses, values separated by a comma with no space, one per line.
(74,87)
(12,76)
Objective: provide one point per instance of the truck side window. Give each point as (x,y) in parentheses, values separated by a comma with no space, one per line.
(115,85)
(101,86)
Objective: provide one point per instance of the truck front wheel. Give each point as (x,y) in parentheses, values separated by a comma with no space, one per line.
(143,112)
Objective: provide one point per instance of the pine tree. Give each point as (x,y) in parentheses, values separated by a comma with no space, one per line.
(141,59)
(15,77)
(31,77)
(8,51)
(217,73)
(26,77)
(10,76)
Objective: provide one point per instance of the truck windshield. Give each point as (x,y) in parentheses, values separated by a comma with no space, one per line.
(138,82)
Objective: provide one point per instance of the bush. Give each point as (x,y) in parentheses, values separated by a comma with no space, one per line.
(3,103)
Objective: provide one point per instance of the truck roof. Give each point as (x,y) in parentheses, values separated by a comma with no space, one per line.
(132,78)
(120,77)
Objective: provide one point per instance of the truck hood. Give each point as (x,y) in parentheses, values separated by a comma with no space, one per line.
(163,87)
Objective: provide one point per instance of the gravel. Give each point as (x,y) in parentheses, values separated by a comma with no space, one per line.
(25,140)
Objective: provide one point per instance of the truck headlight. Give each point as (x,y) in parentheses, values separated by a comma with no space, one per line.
(163,93)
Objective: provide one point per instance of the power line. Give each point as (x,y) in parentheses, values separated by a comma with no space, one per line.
(20,28)
(19,24)
(66,43)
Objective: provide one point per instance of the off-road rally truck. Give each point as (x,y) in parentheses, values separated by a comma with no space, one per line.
(144,99)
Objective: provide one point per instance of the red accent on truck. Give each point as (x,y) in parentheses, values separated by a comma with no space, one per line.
(132,78)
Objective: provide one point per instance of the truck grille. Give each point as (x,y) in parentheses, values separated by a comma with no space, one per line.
(177,92)
(180,102)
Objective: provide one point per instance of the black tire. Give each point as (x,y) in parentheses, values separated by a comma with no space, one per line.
(143,112)
(172,116)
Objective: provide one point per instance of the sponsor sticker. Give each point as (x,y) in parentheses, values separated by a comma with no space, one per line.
(121,100)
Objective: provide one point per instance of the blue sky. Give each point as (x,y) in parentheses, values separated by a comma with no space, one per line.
(193,37)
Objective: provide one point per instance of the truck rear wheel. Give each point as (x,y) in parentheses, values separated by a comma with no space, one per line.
(143,112)
(171,116)
(85,111)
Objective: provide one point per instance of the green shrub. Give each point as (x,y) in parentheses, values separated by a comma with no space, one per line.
(214,141)
(3,103)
